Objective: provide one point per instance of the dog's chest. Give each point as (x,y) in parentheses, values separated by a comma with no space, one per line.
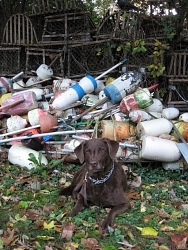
(100,194)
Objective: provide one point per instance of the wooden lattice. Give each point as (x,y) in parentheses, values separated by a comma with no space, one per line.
(68,27)
(19,30)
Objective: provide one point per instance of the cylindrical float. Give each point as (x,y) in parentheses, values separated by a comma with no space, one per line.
(170,113)
(86,85)
(154,127)
(172,165)
(122,86)
(156,106)
(158,149)
(139,99)
(19,155)
(182,128)
(24,107)
(183,117)
(117,130)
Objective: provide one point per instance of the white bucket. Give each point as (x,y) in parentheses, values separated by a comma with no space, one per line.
(15,123)
(170,113)
(157,106)
(183,117)
(44,72)
(154,127)
(158,149)
(19,155)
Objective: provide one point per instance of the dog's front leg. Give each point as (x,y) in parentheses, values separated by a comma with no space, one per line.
(109,221)
(79,206)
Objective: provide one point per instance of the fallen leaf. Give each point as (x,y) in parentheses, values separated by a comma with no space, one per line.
(8,236)
(45,237)
(68,230)
(166,228)
(149,231)
(142,207)
(48,225)
(132,194)
(180,240)
(126,244)
(90,243)
(162,213)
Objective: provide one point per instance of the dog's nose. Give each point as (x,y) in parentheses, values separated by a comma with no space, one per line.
(93,163)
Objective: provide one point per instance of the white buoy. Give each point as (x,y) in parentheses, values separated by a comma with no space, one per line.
(19,155)
(170,113)
(158,149)
(157,106)
(154,127)
(44,72)
(86,85)
(183,117)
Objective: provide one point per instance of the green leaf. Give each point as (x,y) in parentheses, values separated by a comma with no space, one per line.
(23,204)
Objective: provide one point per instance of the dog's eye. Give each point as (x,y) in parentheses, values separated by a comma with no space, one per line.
(87,151)
(103,149)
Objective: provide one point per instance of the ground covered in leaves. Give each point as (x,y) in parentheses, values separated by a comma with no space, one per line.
(33,216)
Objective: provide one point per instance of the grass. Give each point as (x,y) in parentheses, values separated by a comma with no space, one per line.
(33,216)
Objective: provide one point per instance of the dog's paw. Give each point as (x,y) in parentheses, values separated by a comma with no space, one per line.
(106,224)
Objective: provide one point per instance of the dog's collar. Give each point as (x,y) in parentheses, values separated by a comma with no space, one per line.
(103,180)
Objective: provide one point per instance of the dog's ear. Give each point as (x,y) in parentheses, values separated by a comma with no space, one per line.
(79,151)
(113,147)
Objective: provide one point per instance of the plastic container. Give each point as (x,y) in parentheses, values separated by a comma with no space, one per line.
(122,86)
(154,127)
(117,130)
(86,85)
(158,149)
(19,155)
(170,113)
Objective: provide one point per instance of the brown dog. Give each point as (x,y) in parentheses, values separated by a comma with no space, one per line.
(101,180)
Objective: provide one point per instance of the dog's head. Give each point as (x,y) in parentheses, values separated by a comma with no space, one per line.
(98,154)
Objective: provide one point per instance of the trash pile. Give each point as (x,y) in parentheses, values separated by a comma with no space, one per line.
(55,119)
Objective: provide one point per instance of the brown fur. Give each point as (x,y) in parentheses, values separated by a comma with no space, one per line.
(98,158)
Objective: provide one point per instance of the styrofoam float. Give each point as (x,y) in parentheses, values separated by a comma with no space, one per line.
(158,149)
(19,155)
(154,127)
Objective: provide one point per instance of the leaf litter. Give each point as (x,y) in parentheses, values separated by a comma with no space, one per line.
(33,216)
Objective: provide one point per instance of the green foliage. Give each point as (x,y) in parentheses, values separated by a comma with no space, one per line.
(157,67)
